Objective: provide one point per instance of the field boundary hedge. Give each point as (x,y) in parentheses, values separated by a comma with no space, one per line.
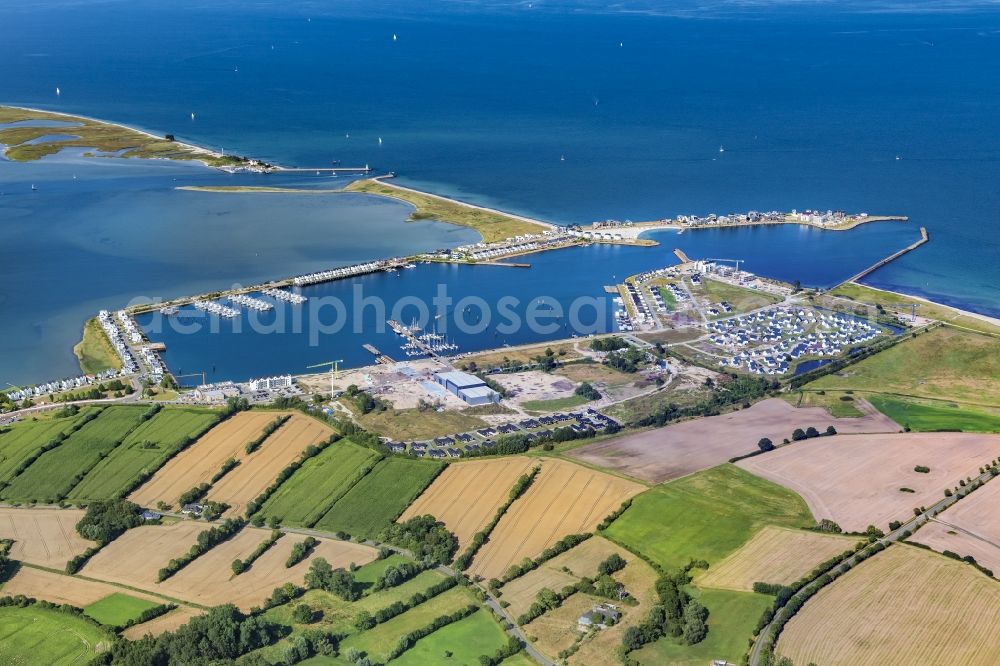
(482,537)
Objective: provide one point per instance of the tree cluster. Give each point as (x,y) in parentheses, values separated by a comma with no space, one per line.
(425,536)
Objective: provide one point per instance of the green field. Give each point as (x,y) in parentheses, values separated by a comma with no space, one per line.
(928,416)
(555,405)
(379,497)
(321,481)
(705,516)
(145,449)
(54,473)
(519,659)
(94,351)
(36,635)
(25,438)
(943,364)
(467,639)
(367,575)
(740,298)
(117,609)
(831,401)
(731,620)
(379,640)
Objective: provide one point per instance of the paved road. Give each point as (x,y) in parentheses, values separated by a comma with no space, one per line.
(915,523)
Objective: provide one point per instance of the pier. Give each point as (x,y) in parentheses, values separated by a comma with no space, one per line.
(892,257)
(250,302)
(679,253)
(333,170)
(379,356)
(414,345)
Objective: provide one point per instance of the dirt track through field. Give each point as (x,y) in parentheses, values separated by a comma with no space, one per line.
(466,496)
(677,450)
(197,463)
(564,499)
(855,480)
(970,527)
(61,589)
(46,537)
(259,469)
(903,606)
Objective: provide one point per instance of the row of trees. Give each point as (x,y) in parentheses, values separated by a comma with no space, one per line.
(482,536)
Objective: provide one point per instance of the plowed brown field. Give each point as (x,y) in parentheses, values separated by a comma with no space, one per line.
(467,495)
(197,463)
(46,537)
(258,470)
(855,480)
(970,527)
(677,450)
(564,499)
(903,606)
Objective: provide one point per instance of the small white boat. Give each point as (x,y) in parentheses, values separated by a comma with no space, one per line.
(58,92)
(721,149)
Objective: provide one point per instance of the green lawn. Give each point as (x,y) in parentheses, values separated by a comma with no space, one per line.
(367,575)
(22,439)
(732,617)
(944,364)
(519,659)
(927,416)
(55,473)
(379,497)
(706,516)
(379,640)
(740,298)
(668,298)
(555,405)
(117,609)
(467,639)
(321,481)
(35,635)
(145,449)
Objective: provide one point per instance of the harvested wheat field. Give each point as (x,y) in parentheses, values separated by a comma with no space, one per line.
(209,580)
(903,606)
(46,537)
(856,480)
(466,496)
(970,527)
(581,560)
(136,556)
(258,470)
(677,450)
(63,589)
(172,621)
(197,463)
(564,499)
(774,555)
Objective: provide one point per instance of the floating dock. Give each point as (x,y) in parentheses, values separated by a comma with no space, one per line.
(287,296)
(250,302)
(217,309)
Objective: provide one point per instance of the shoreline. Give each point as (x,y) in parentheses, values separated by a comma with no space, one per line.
(987,319)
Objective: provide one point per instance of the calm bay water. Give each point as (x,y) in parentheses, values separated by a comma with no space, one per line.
(812,108)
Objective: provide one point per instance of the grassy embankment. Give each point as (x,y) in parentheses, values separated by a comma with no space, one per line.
(492,226)
(94,351)
(902,304)
(87,133)
(555,404)
(945,379)
(838,403)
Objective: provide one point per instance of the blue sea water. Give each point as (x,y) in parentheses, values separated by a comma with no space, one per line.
(568,112)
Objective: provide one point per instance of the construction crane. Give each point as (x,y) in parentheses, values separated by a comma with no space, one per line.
(734,261)
(334,371)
